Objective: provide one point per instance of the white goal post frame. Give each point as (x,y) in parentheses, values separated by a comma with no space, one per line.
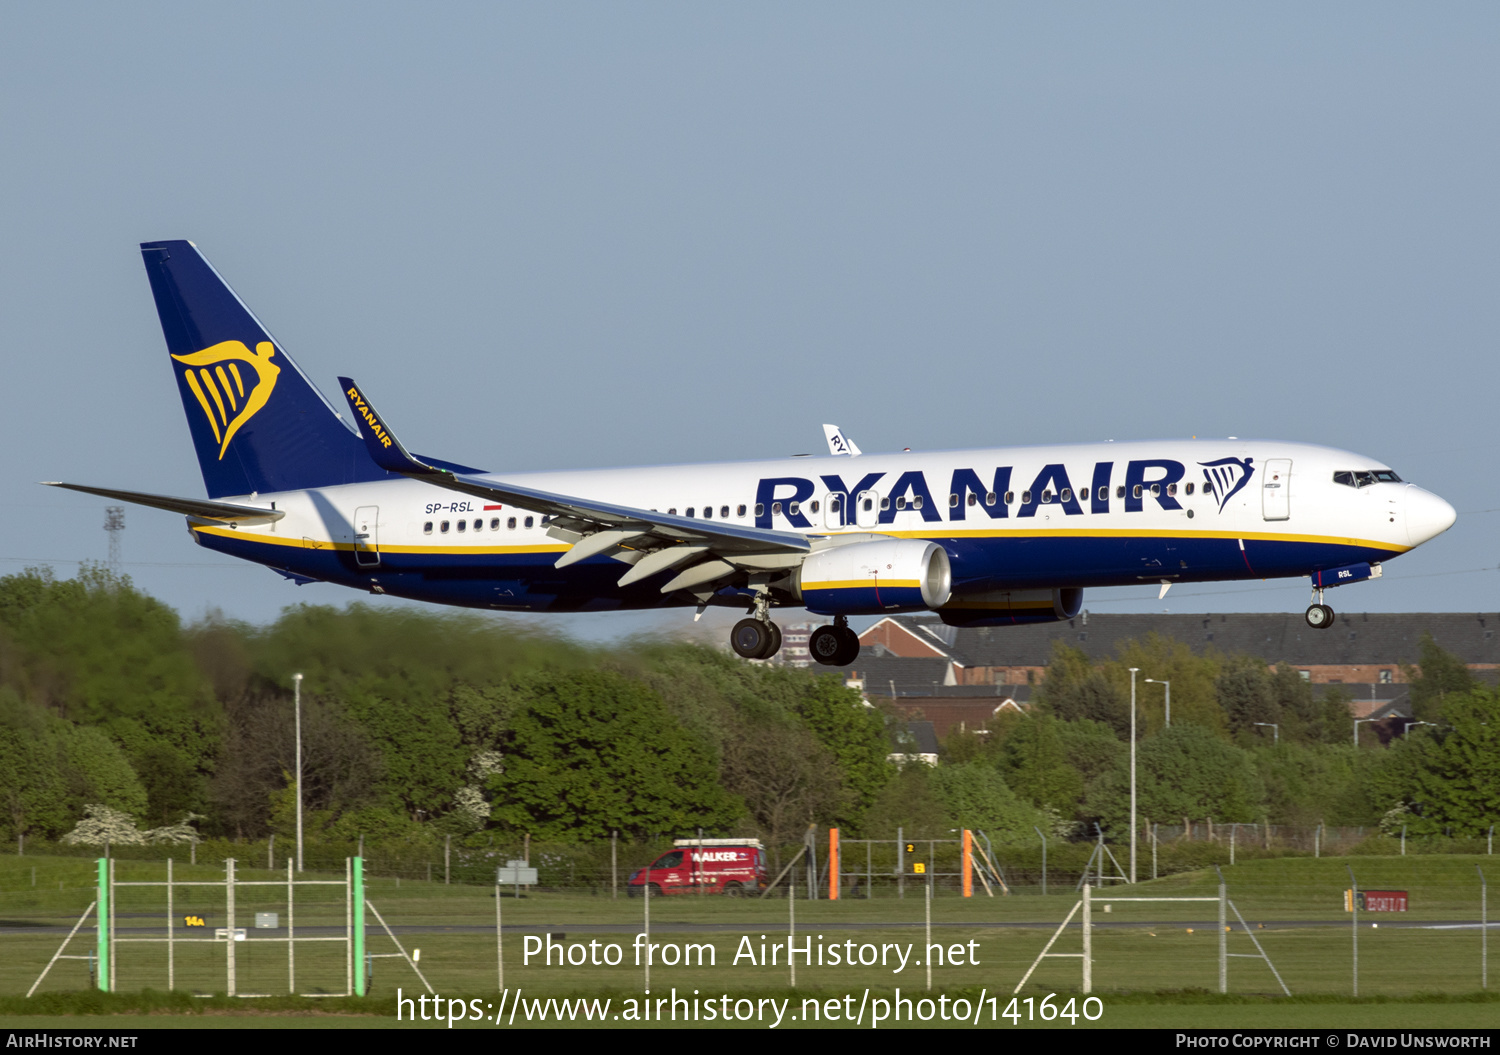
(1087,955)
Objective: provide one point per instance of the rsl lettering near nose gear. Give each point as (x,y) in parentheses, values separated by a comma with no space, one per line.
(988,537)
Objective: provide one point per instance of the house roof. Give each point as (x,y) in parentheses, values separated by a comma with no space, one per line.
(947,713)
(1356,639)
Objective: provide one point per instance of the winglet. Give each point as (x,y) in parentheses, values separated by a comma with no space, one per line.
(838,443)
(381,442)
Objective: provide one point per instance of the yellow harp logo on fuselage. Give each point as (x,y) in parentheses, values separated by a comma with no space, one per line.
(215,377)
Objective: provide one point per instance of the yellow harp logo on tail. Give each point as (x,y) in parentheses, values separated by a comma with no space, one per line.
(216,378)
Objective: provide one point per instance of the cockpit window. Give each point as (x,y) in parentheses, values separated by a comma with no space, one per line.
(1365,477)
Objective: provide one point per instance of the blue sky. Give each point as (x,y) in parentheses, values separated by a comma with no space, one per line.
(570,235)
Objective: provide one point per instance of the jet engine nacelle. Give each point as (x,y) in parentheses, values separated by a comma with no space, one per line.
(871,578)
(1012,607)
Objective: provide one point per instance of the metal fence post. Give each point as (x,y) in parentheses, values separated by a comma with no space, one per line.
(102,938)
(1354,914)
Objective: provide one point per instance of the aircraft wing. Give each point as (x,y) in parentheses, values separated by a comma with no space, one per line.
(202,508)
(656,541)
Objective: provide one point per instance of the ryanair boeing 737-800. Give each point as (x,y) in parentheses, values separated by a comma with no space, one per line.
(981,537)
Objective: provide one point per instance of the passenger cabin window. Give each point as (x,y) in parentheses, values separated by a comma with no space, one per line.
(494,523)
(1026,498)
(989,498)
(901,502)
(443,527)
(529,521)
(775,509)
(1120,491)
(760,509)
(511,523)
(427,528)
(1189,488)
(1067,495)
(885,503)
(724,512)
(689,512)
(1104,494)
(1010,498)
(953,501)
(794,508)
(462,524)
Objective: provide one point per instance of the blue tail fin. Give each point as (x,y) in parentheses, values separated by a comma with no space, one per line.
(257,422)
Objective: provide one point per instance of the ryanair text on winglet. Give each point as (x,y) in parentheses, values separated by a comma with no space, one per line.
(369,415)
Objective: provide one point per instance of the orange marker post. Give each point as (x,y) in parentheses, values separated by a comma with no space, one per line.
(833,864)
(968,863)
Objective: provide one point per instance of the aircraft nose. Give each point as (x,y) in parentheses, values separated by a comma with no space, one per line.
(1427,515)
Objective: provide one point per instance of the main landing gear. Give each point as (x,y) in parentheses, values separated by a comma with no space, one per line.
(834,646)
(1319,615)
(756,637)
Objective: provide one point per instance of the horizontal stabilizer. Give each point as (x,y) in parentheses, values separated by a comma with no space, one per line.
(201,508)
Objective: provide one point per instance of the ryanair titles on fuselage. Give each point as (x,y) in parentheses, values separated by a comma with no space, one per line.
(968,492)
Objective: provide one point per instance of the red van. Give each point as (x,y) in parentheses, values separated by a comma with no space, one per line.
(732,867)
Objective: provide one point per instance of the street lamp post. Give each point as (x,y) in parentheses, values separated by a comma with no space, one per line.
(1132,772)
(1356,727)
(1405,733)
(1275,731)
(297,706)
(1168,685)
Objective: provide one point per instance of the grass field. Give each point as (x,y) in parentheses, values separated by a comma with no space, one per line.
(1143,954)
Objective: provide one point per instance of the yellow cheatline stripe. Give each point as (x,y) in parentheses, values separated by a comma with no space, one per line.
(839,584)
(228,391)
(864,584)
(208,411)
(234,368)
(208,383)
(297,543)
(1186,536)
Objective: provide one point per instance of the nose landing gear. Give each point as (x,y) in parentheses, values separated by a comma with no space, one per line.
(1319,615)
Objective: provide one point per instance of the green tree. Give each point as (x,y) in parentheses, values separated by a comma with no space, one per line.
(1074,689)
(975,795)
(1451,775)
(908,803)
(1034,762)
(593,751)
(853,734)
(1310,783)
(1192,676)
(1247,695)
(1187,771)
(1438,675)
